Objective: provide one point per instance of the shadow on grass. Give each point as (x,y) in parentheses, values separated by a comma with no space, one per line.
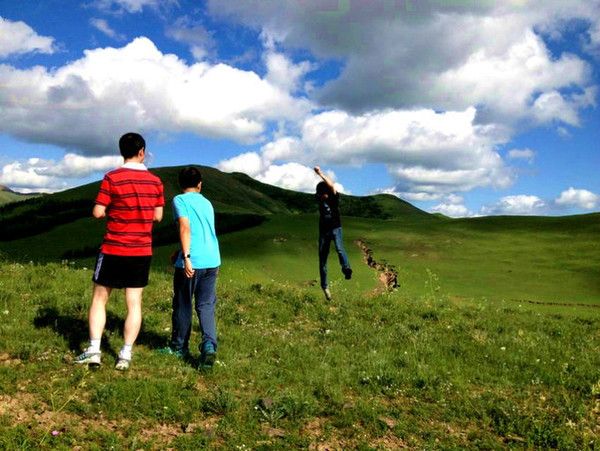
(75,330)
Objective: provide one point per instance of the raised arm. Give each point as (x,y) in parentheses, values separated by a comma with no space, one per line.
(325,179)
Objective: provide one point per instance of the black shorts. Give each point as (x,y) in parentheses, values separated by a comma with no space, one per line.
(118,271)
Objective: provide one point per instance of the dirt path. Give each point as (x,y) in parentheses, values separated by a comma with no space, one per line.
(388,275)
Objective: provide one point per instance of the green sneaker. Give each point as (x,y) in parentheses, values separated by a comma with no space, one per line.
(208,355)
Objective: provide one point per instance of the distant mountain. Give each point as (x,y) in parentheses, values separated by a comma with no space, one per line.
(239,201)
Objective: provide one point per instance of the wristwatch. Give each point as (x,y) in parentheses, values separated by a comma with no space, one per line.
(184,256)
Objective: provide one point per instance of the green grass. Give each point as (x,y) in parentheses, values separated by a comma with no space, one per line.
(366,371)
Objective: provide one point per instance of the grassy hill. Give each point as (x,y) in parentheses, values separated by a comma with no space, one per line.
(490,342)
(8,196)
(60,225)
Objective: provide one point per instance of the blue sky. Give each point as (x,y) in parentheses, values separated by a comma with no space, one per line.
(468,107)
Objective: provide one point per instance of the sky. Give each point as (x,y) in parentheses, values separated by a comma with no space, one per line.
(462,107)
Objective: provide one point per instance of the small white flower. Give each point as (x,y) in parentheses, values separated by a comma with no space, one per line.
(6,312)
(503,348)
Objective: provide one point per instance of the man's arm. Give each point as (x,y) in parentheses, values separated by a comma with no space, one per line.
(325,179)
(185,238)
(158,214)
(99,211)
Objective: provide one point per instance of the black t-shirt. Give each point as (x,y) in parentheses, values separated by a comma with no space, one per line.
(330,212)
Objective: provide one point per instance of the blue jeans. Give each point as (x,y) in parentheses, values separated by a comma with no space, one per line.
(325,239)
(202,287)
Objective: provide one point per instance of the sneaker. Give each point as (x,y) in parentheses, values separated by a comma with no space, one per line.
(347,273)
(208,355)
(122,364)
(89,358)
(327,293)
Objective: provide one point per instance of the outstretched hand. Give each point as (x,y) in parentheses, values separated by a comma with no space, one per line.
(317,170)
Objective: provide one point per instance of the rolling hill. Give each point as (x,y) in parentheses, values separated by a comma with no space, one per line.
(7,195)
(239,201)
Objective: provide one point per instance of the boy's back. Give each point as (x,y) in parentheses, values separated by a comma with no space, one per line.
(130,193)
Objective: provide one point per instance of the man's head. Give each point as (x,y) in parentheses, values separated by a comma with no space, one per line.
(189,177)
(131,144)
(323,191)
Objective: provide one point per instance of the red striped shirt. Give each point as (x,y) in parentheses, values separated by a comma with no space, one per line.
(130,197)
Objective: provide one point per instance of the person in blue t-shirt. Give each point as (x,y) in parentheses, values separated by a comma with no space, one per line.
(196,268)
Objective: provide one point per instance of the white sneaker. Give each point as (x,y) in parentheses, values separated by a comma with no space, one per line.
(122,364)
(327,294)
(88,357)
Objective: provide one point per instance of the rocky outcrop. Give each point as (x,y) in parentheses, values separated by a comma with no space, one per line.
(388,275)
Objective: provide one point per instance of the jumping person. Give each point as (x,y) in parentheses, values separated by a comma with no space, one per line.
(131,199)
(330,229)
(196,269)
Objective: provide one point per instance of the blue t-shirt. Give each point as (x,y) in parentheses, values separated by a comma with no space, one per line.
(204,249)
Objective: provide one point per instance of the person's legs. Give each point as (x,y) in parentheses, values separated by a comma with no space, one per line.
(96,322)
(341,251)
(133,322)
(205,293)
(181,318)
(97,313)
(324,244)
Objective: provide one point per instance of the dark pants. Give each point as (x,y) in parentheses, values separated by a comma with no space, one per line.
(325,239)
(202,287)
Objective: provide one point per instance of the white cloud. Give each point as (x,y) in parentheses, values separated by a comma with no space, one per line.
(18,37)
(103,26)
(249,163)
(37,174)
(497,62)
(516,205)
(284,73)
(452,210)
(578,198)
(522,154)
(424,151)
(88,103)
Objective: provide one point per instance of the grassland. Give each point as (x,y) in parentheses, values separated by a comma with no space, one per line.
(369,370)
(491,341)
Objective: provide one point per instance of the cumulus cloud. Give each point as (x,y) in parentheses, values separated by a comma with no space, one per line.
(293,176)
(521,204)
(103,26)
(87,103)
(522,154)
(453,206)
(580,198)
(18,38)
(498,61)
(424,151)
(37,174)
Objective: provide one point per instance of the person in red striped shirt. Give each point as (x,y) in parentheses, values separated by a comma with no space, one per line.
(131,199)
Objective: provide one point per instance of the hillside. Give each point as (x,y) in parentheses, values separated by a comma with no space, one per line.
(240,202)
(8,196)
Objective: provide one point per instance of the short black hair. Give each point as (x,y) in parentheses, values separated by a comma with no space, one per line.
(189,177)
(323,188)
(130,144)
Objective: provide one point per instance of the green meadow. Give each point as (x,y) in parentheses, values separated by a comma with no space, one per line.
(491,340)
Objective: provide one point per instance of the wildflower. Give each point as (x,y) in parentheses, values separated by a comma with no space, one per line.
(503,348)
(6,312)
(55,433)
